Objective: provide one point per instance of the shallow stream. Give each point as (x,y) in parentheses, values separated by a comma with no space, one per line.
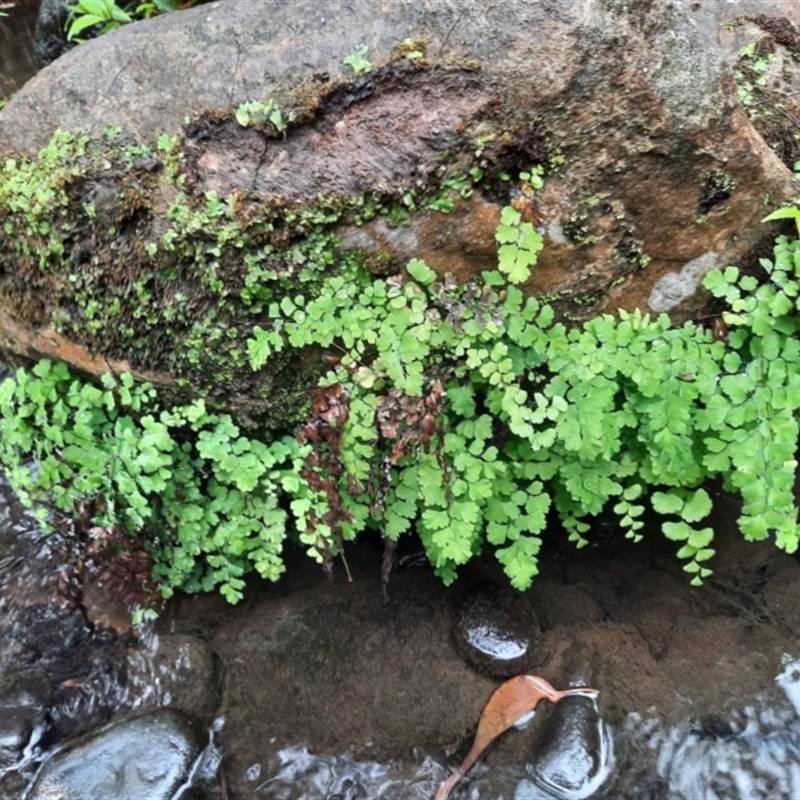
(724,721)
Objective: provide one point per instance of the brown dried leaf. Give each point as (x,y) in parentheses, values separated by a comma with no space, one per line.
(514,699)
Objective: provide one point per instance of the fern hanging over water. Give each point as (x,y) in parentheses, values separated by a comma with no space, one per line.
(465,413)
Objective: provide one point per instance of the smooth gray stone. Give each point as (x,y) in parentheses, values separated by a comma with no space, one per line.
(150,756)
(573,750)
(497,633)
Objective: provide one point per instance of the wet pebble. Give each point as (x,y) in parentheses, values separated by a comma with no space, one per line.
(497,633)
(148,756)
(572,753)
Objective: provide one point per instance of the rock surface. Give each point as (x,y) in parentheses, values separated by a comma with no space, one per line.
(656,174)
(173,669)
(497,633)
(572,751)
(147,756)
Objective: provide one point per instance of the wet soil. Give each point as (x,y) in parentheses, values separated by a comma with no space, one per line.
(331,668)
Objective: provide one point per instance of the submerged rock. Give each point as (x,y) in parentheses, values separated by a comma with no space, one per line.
(148,756)
(572,752)
(173,669)
(333,665)
(497,633)
(86,668)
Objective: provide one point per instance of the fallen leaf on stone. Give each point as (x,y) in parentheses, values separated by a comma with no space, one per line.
(515,699)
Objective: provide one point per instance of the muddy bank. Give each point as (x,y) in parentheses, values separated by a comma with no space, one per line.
(328,667)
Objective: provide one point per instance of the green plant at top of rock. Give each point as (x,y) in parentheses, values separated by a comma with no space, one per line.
(412,49)
(465,413)
(86,13)
(766,97)
(107,15)
(520,244)
(751,73)
(358,61)
(255,112)
(790,212)
(208,496)
(35,190)
(150,8)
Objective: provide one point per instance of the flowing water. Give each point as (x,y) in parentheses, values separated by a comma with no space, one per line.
(757,755)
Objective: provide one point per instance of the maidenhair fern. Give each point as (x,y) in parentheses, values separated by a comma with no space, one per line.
(206,495)
(464,413)
(619,414)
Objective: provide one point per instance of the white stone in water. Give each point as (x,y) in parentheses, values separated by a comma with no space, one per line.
(495,643)
(523,721)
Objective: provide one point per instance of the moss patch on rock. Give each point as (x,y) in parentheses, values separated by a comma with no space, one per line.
(168,255)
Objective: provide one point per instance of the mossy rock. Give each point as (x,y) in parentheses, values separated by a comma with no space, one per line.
(159,245)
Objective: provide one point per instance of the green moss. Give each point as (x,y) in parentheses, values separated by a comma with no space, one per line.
(577,228)
(107,241)
(631,251)
(771,106)
(716,189)
(380,262)
(90,252)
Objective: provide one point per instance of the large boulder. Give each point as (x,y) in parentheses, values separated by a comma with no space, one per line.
(654,172)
